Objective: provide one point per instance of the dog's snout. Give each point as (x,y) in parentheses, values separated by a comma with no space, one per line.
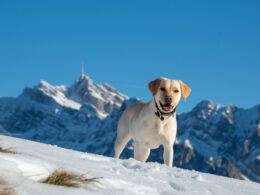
(168,99)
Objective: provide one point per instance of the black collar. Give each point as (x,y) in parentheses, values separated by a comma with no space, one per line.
(161,114)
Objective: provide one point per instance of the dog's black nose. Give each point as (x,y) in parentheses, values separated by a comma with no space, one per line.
(168,99)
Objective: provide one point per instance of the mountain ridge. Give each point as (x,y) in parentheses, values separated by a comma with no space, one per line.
(213,138)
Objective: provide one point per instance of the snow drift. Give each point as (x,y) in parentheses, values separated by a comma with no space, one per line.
(33,162)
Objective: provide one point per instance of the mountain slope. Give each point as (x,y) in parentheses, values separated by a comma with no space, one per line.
(103,98)
(226,137)
(34,162)
(212,138)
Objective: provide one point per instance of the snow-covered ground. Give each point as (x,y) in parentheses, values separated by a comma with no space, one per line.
(33,162)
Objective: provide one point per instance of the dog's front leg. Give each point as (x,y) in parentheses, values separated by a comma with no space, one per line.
(168,154)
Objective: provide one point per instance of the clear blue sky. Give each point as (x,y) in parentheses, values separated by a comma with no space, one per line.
(214,46)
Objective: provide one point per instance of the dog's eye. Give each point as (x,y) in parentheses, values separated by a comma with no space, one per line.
(176,91)
(162,89)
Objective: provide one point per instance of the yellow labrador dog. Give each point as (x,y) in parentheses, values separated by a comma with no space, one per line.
(154,123)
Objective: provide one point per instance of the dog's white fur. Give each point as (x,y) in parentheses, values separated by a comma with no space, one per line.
(140,123)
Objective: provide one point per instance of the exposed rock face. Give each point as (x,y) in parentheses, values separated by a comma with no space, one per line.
(103,97)
(223,140)
(226,134)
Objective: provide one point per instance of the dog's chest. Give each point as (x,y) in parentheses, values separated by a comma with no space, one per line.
(156,134)
(161,128)
(156,137)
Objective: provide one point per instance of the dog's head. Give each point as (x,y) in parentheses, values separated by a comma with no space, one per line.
(167,93)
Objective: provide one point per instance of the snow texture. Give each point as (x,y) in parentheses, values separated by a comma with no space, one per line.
(34,162)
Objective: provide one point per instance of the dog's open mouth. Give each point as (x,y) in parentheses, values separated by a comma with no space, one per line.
(166,107)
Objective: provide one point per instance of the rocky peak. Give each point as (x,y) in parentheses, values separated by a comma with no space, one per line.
(205,109)
(102,96)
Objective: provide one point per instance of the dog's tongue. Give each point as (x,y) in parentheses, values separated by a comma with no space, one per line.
(167,108)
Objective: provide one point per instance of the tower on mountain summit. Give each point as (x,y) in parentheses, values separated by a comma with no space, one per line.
(82,72)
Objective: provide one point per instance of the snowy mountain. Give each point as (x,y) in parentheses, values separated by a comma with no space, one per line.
(102,98)
(212,138)
(226,138)
(24,170)
(75,117)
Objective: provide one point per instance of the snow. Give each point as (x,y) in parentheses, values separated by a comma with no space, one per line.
(33,162)
(188,144)
(58,94)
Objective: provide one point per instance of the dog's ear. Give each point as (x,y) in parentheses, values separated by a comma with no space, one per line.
(154,85)
(185,90)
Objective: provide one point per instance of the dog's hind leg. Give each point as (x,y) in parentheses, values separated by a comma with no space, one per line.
(141,152)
